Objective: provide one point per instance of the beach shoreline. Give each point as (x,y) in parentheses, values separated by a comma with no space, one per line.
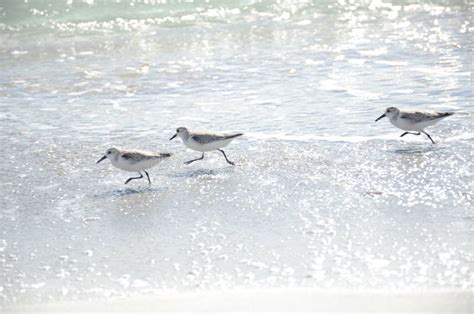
(281,300)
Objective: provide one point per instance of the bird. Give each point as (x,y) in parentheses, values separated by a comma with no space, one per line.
(134,160)
(414,120)
(205,142)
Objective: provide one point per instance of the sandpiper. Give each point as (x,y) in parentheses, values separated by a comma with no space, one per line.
(204,142)
(414,120)
(134,160)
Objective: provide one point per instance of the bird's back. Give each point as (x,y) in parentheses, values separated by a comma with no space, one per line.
(136,160)
(420,116)
(203,142)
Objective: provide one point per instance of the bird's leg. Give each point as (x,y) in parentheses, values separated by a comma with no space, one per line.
(149,181)
(190,161)
(409,133)
(428,137)
(230,162)
(133,178)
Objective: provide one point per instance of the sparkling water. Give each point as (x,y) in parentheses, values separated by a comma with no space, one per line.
(321,196)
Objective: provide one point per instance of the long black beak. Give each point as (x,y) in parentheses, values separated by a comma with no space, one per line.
(103,157)
(382,116)
(176,134)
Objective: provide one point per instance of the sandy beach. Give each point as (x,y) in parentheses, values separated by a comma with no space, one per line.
(275,300)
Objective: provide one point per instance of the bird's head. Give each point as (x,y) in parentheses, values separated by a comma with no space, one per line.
(109,153)
(390,112)
(181,132)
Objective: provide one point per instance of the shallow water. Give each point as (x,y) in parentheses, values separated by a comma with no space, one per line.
(322,196)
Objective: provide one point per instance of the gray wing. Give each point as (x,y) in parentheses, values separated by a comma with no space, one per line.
(207,138)
(204,138)
(135,157)
(418,116)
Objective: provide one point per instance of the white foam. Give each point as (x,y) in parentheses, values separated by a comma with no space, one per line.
(281,300)
(313,137)
(350,139)
(460,137)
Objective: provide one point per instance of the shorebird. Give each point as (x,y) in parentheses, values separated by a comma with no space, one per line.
(134,160)
(414,120)
(204,142)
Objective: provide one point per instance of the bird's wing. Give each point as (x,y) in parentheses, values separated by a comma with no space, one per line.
(207,138)
(418,116)
(136,156)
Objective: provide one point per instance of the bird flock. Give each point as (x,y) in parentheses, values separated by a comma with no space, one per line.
(134,160)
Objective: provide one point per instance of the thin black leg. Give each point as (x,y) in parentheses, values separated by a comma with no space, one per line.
(409,133)
(133,178)
(190,161)
(429,137)
(230,162)
(149,181)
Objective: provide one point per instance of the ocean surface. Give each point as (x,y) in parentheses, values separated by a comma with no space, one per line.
(321,196)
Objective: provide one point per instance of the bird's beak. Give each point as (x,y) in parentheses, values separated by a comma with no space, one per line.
(103,157)
(382,116)
(176,134)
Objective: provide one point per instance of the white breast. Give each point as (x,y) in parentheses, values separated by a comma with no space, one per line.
(192,144)
(126,165)
(404,124)
(408,125)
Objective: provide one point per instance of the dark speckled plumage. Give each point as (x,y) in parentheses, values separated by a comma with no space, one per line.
(204,138)
(138,156)
(419,116)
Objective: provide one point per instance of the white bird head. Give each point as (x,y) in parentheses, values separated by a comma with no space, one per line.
(182,132)
(390,112)
(109,153)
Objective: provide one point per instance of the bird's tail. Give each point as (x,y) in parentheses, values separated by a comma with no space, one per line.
(233,136)
(442,115)
(165,155)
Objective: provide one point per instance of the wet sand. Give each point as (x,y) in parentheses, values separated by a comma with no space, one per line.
(281,300)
